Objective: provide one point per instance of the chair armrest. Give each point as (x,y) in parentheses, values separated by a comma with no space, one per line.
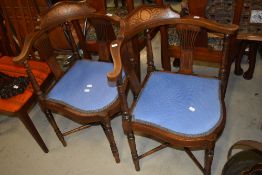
(115,49)
(27,47)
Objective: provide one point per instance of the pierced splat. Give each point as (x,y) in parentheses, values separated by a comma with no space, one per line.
(187,35)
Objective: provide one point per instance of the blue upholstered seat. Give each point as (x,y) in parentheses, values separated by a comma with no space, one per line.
(85,87)
(183,104)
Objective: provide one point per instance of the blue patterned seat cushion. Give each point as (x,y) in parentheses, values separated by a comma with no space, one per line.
(85,87)
(182,104)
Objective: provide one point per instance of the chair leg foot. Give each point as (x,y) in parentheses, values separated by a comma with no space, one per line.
(209,154)
(238,70)
(176,62)
(110,137)
(24,117)
(252,61)
(52,121)
(132,145)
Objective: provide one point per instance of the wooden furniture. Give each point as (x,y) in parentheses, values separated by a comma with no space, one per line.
(17,20)
(247,161)
(98,33)
(123,3)
(20,18)
(82,93)
(23,17)
(181,109)
(249,36)
(5,48)
(169,49)
(207,45)
(19,105)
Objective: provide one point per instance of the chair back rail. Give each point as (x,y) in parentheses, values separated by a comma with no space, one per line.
(52,19)
(148,17)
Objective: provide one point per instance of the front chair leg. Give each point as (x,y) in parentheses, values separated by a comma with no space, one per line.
(209,154)
(132,145)
(52,121)
(24,117)
(110,137)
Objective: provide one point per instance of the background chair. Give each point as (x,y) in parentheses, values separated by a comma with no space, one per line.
(181,109)
(19,105)
(249,35)
(248,39)
(82,93)
(169,40)
(207,45)
(19,18)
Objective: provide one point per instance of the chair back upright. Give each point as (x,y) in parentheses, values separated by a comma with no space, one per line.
(149,17)
(73,14)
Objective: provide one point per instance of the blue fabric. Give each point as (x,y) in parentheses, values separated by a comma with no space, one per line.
(183,104)
(85,87)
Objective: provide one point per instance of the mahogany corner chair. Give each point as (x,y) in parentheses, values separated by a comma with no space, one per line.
(180,109)
(82,93)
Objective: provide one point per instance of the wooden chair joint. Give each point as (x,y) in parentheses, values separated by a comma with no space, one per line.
(76,129)
(192,156)
(158,148)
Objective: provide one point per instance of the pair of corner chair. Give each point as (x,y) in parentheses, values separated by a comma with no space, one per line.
(177,109)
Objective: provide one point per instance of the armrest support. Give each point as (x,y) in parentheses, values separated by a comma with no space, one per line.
(27,47)
(115,49)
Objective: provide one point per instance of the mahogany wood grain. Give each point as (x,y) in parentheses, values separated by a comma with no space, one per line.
(145,18)
(61,13)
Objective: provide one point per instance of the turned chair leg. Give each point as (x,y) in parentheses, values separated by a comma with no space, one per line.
(116,3)
(110,137)
(252,60)
(52,121)
(123,3)
(132,145)
(24,117)
(176,62)
(238,69)
(209,154)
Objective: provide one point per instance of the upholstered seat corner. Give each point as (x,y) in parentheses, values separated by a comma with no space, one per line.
(185,101)
(85,87)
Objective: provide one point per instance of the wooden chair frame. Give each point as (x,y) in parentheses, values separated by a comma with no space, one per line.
(22,113)
(143,19)
(66,12)
(19,18)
